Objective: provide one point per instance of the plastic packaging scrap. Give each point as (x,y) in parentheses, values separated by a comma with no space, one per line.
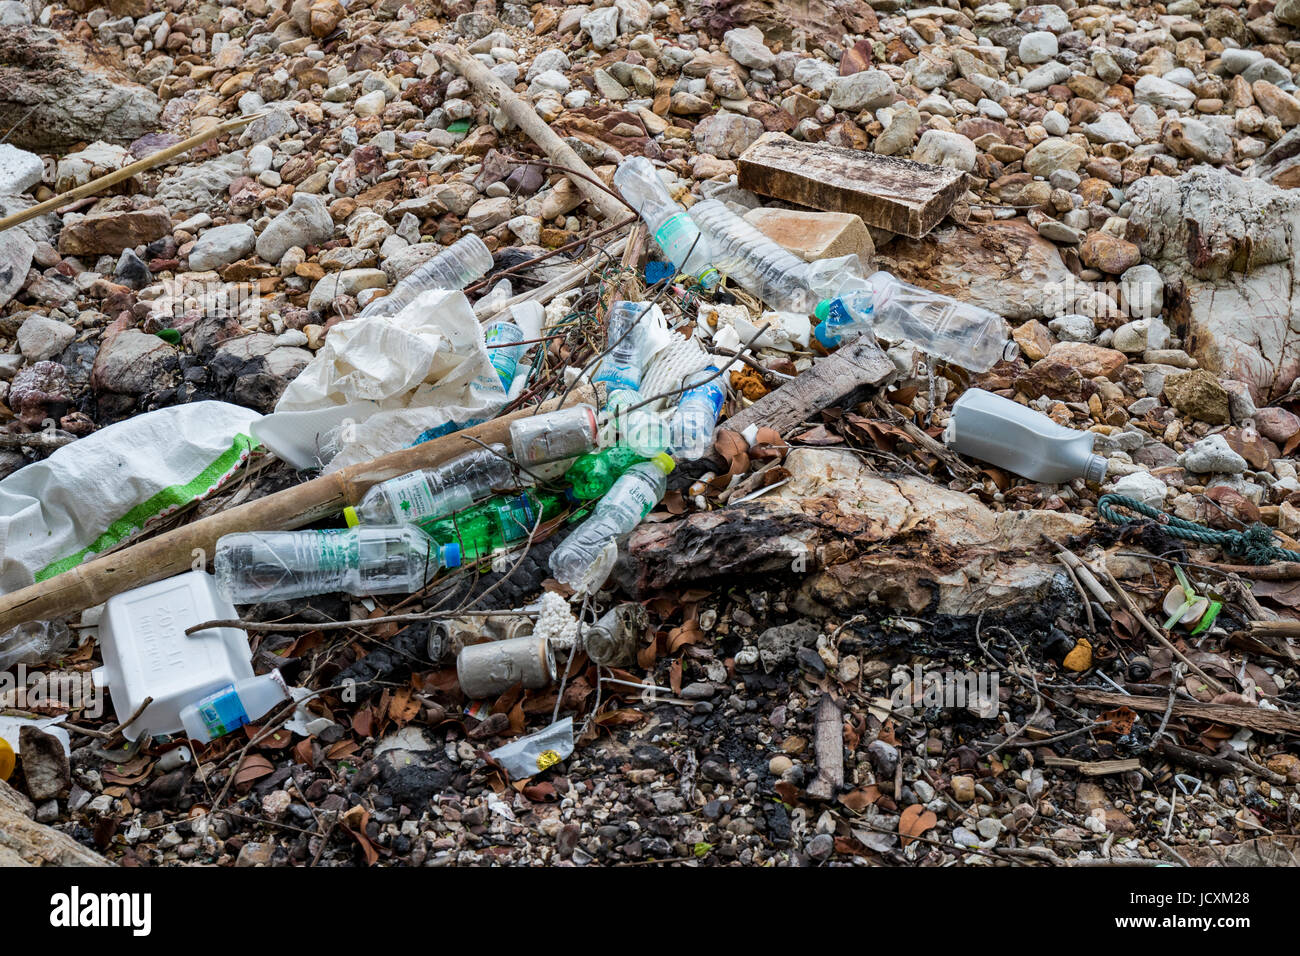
(531,755)
(697,414)
(563,433)
(147,653)
(1019,439)
(585,558)
(678,358)
(253,567)
(458,265)
(33,643)
(97,491)
(434,492)
(486,670)
(950,330)
(233,706)
(394,380)
(672,228)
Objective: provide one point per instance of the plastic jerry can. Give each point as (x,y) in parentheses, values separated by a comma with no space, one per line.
(1019,439)
(147,653)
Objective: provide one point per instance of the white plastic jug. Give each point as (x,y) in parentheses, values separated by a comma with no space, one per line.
(1019,439)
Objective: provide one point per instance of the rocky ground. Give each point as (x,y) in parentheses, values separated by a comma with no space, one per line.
(1128,210)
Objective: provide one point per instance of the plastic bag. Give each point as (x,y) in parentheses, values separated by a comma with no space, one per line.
(93,493)
(412,376)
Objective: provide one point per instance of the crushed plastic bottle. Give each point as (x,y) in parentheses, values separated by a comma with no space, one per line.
(433,492)
(592,475)
(585,558)
(498,523)
(673,229)
(507,340)
(760,265)
(464,261)
(697,414)
(563,433)
(254,567)
(233,706)
(1019,439)
(624,362)
(947,328)
(642,429)
(35,642)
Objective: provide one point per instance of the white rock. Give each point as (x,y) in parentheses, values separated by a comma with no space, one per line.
(941,148)
(19,170)
(42,338)
(1143,486)
(221,246)
(1212,455)
(1159,92)
(1037,47)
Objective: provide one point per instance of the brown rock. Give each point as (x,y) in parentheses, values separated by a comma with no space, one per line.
(1277,423)
(1034,339)
(1091,360)
(109,233)
(1274,102)
(324,16)
(1199,394)
(1109,254)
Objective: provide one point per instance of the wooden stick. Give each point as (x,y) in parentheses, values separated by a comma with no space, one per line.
(126,172)
(522,114)
(1093,768)
(1266,721)
(1275,628)
(1284,571)
(828,744)
(174,552)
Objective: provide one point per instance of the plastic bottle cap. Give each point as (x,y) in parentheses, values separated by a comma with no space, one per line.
(664,462)
(350,516)
(6,759)
(451,557)
(822,310)
(825,337)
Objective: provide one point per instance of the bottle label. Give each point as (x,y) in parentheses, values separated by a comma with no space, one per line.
(505,356)
(410,497)
(222,712)
(710,393)
(678,234)
(336,550)
(517,516)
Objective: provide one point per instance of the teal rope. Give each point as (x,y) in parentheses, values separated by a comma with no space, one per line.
(1255,545)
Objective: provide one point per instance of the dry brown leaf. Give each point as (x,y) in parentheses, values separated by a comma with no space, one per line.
(914,821)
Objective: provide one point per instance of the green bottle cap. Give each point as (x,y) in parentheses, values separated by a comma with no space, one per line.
(823,309)
(664,463)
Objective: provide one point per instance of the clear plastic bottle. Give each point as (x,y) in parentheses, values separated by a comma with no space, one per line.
(641,429)
(455,267)
(563,433)
(760,265)
(1019,439)
(951,330)
(504,349)
(592,475)
(697,414)
(673,230)
(233,706)
(253,567)
(584,559)
(623,363)
(434,492)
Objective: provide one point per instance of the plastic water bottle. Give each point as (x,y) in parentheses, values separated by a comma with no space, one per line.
(760,265)
(622,364)
(454,268)
(592,475)
(233,706)
(1019,439)
(495,524)
(253,567)
(954,331)
(434,492)
(697,414)
(506,339)
(584,559)
(673,230)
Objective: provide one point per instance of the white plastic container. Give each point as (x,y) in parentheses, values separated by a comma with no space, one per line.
(147,653)
(1019,439)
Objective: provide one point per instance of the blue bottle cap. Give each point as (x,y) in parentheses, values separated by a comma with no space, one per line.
(451,555)
(825,336)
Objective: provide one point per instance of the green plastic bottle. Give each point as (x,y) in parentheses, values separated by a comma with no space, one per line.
(496,523)
(595,472)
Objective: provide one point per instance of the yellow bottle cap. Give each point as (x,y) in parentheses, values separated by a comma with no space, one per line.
(665,463)
(350,516)
(6,759)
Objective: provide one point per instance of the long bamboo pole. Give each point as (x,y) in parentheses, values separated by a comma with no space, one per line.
(557,150)
(126,172)
(176,551)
